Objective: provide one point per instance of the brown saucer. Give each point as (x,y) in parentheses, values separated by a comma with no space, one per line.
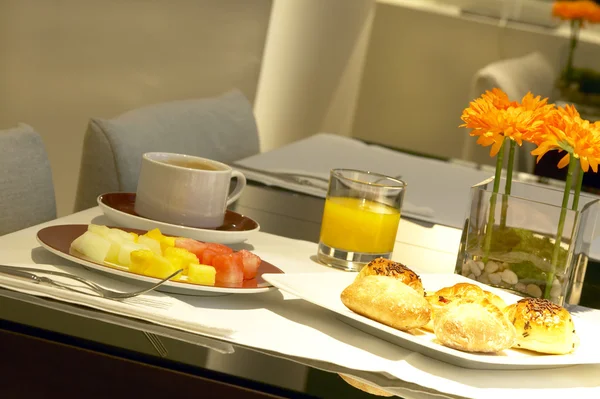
(125,202)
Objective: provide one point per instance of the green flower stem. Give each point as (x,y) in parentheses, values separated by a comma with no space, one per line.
(561,226)
(577,190)
(508,185)
(490,224)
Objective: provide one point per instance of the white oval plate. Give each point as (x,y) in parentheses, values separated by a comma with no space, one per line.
(57,239)
(323,289)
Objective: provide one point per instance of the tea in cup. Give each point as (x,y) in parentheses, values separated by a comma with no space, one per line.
(185,190)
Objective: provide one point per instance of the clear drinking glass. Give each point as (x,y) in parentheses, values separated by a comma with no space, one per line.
(360,219)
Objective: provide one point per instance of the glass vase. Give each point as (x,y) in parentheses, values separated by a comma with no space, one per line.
(509,241)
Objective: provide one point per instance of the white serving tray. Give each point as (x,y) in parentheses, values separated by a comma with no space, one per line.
(324,289)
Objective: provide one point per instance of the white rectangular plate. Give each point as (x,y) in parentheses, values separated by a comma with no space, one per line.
(324,289)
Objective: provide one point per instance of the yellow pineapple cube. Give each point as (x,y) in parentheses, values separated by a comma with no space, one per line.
(201,274)
(155,234)
(161,267)
(180,258)
(167,242)
(141,260)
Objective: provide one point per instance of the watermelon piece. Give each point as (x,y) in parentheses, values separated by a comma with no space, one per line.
(230,270)
(250,263)
(212,250)
(207,257)
(193,246)
(219,248)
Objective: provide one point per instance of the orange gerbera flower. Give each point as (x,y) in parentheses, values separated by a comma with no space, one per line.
(565,130)
(570,10)
(492,117)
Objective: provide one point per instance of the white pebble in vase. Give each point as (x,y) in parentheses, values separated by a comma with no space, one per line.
(509,277)
(556,290)
(491,267)
(495,278)
(484,278)
(476,271)
(520,287)
(534,290)
(465,269)
(480,265)
(471,276)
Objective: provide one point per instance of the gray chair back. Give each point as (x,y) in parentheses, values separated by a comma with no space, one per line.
(26,188)
(222,128)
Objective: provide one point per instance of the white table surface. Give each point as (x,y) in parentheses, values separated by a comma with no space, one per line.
(415,245)
(426,249)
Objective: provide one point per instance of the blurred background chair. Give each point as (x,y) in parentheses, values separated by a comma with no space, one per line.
(515,76)
(27,191)
(222,128)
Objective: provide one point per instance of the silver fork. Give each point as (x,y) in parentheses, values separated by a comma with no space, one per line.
(103,292)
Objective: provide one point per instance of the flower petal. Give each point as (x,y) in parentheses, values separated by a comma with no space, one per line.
(564,161)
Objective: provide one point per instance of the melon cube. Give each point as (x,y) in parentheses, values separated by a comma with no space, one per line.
(201,274)
(125,252)
(151,243)
(92,245)
(117,240)
(98,229)
(123,234)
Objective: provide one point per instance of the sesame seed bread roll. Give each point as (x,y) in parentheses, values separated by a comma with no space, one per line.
(542,326)
(386,267)
(474,325)
(388,301)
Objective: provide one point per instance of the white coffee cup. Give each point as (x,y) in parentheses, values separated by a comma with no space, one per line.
(185,190)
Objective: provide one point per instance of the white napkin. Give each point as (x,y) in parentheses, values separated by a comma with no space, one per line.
(437,191)
(154,307)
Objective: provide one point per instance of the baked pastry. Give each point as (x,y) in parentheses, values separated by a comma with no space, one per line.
(444,296)
(388,301)
(542,326)
(467,290)
(474,325)
(386,267)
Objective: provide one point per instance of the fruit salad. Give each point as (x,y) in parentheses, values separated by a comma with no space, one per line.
(155,255)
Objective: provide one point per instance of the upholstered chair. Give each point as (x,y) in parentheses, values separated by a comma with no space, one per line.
(26,187)
(222,128)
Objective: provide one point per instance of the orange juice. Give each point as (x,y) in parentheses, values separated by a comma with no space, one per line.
(359,225)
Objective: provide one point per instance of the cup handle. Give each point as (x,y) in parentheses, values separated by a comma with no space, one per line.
(239,186)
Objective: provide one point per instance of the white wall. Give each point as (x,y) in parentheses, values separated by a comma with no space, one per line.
(419,67)
(311,68)
(64,61)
